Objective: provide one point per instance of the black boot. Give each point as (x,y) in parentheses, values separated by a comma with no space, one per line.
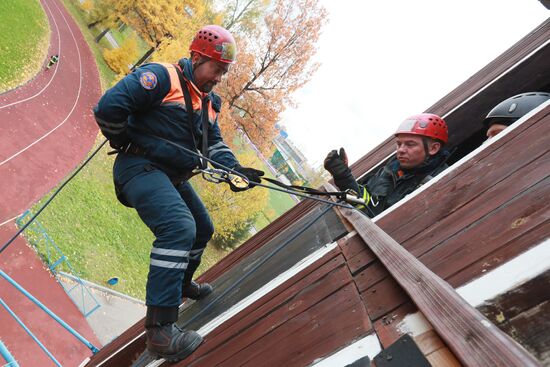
(164,338)
(195,290)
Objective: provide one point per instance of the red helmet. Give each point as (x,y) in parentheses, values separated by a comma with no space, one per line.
(215,42)
(425,124)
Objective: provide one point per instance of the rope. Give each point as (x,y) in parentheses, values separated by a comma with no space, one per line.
(297,193)
(53,196)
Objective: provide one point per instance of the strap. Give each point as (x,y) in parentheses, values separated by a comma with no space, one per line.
(205,126)
(189,108)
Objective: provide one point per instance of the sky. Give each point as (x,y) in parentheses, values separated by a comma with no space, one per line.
(382,61)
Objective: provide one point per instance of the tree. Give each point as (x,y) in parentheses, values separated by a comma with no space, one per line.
(244,15)
(120,58)
(272,63)
(99,12)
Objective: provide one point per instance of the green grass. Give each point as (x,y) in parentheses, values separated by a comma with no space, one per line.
(106,75)
(24,39)
(100,237)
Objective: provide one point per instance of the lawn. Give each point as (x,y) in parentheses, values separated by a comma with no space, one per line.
(24,40)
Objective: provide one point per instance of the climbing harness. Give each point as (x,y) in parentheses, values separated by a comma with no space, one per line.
(217,176)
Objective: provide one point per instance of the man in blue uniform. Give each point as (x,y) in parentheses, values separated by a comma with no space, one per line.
(420,156)
(147,117)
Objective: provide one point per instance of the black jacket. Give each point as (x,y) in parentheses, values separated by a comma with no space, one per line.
(390,183)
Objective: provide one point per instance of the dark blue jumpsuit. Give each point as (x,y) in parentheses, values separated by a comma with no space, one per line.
(144,107)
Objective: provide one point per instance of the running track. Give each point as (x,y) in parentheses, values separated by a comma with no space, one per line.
(46,129)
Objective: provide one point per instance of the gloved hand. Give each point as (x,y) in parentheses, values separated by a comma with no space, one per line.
(337,164)
(251,174)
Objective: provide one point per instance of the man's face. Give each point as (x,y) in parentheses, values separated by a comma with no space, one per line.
(208,74)
(410,150)
(495,129)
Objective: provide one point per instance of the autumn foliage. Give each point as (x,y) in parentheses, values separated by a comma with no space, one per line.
(273,62)
(118,59)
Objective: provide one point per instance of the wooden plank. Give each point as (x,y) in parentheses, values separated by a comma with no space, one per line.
(473,338)
(324,329)
(352,246)
(367,278)
(383,297)
(514,227)
(530,329)
(523,213)
(428,342)
(357,254)
(323,325)
(443,357)
(312,275)
(498,195)
(274,310)
(518,300)
(501,255)
(361,260)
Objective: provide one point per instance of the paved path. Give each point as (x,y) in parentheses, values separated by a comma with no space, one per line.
(46,129)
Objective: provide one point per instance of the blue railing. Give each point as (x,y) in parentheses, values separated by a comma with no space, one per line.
(55,258)
(5,353)
(47,311)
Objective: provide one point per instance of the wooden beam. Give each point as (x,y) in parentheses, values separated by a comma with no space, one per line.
(472,337)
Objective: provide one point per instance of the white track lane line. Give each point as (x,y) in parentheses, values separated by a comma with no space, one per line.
(9,220)
(56,65)
(74,105)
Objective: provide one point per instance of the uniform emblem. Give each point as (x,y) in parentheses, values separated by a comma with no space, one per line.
(148,80)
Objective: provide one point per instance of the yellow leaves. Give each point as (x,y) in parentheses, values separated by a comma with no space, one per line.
(87,5)
(120,59)
(157,21)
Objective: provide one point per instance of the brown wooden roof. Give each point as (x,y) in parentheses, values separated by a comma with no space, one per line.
(471,219)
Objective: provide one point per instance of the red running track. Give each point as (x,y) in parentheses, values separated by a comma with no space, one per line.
(46,130)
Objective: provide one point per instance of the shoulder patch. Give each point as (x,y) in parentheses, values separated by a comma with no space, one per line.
(148,80)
